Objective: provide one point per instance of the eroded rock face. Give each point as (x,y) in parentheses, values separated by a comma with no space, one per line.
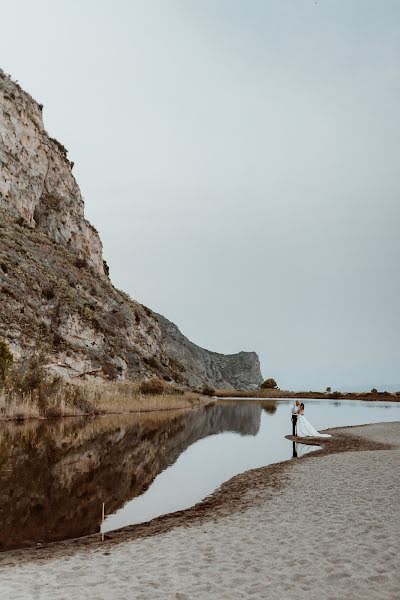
(55,292)
(36,181)
(199,366)
(50,301)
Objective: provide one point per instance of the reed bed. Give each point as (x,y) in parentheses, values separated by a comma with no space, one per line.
(144,396)
(58,398)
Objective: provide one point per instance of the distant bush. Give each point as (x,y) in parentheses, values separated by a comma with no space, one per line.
(208,391)
(175,364)
(81,263)
(30,375)
(269,384)
(153,362)
(152,386)
(374,391)
(48,293)
(76,397)
(6,360)
(328,390)
(157,387)
(110,371)
(21,222)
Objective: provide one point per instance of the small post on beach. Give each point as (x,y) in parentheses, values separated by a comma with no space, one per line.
(102,522)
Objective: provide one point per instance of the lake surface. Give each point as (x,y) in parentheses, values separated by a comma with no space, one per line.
(55,475)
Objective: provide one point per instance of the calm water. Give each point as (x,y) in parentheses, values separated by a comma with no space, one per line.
(54,476)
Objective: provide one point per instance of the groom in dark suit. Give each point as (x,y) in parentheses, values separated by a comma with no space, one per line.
(295,410)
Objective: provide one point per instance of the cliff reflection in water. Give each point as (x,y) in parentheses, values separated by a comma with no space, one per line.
(54,476)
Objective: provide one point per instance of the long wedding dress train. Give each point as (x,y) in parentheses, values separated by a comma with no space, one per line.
(305,429)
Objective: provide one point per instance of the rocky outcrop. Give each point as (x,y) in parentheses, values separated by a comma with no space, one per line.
(55,290)
(36,181)
(51,301)
(199,366)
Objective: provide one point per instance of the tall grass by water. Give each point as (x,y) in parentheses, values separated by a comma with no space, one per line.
(55,397)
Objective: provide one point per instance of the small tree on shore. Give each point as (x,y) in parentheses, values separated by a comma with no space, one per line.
(269,384)
(328,390)
(6,360)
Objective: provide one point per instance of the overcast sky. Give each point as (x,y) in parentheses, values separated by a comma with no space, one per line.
(240,160)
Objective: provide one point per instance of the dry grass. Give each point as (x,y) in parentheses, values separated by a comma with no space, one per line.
(18,405)
(60,399)
(129,396)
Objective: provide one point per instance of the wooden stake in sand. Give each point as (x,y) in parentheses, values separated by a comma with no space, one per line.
(102,522)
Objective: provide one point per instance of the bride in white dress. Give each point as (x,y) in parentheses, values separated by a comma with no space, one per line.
(304,427)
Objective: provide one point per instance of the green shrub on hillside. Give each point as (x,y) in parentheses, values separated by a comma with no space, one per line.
(29,375)
(6,360)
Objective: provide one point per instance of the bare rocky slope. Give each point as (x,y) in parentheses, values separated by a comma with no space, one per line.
(56,295)
(241,370)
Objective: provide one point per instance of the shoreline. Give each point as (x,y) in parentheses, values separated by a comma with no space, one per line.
(318,527)
(273,394)
(205,401)
(233,496)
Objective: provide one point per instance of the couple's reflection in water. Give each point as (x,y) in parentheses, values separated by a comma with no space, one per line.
(299,450)
(294,449)
(55,475)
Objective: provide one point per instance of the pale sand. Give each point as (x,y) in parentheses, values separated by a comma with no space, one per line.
(327,527)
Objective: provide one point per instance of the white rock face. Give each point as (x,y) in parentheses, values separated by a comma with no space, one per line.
(36,181)
(54,291)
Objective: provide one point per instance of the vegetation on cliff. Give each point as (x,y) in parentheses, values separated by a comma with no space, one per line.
(27,390)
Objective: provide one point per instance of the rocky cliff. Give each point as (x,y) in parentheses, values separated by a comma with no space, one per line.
(199,366)
(55,290)
(36,181)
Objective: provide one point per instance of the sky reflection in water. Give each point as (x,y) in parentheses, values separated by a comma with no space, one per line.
(211,461)
(55,475)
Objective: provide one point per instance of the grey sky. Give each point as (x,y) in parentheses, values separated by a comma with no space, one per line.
(241,162)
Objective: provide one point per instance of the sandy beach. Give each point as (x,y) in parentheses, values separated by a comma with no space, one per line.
(323,526)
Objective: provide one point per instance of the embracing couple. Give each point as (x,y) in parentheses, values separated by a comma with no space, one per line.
(300,426)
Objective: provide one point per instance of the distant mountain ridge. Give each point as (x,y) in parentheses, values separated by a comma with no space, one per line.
(381,387)
(55,289)
(240,371)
